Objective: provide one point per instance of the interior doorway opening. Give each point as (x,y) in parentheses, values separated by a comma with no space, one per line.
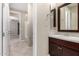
(20,43)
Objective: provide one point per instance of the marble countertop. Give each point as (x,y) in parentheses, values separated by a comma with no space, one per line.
(67,38)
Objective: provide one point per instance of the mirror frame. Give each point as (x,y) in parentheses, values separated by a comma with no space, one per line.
(59,13)
(54,19)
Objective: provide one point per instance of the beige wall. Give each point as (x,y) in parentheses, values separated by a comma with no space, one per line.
(22,26)
(42,29)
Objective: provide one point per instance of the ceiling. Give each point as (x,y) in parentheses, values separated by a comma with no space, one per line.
(22,7)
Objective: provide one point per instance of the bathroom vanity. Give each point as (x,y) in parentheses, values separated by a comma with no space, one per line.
(62,47)
(68,21)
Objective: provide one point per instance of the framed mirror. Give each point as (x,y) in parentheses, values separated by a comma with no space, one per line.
(53,18)
(68,17)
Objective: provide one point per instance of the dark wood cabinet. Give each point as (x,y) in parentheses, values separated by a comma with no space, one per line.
(69,52)
(58,47)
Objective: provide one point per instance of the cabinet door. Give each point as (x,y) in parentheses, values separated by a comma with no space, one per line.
(54,50)
(60,51)
(50,48)
(69,52)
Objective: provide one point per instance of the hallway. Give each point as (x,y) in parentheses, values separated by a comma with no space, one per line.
(19,30)
(20,48)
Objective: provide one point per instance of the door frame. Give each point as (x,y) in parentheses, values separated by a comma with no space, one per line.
(1,29)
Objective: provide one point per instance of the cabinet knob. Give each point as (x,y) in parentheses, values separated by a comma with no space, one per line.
(59,48)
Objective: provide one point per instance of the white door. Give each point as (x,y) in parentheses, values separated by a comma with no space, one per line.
(6,29)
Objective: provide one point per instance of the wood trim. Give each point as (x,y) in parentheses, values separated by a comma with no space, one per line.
(78,16)
(59,30)
(54,21)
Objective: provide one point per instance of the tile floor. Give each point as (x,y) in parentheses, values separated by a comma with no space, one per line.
(20,48)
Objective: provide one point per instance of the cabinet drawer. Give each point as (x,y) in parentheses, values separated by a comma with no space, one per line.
(56,41)
(71,45)
(60,42)
(52,40)
(69,52)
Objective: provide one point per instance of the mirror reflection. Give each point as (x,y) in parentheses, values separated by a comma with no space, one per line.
(69,17)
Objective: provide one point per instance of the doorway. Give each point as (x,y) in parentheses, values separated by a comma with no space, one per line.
(19,43)
(16,28)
